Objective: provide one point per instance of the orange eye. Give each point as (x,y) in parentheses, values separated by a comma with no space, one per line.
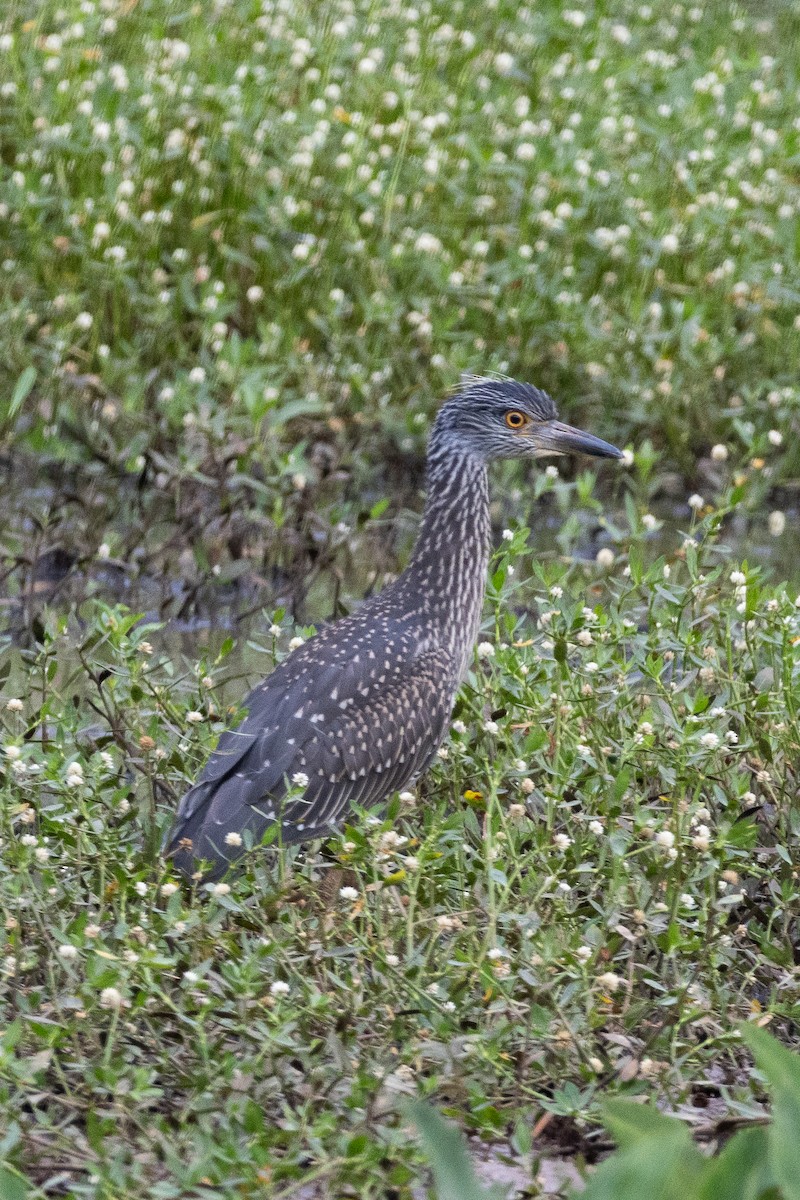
(515,420)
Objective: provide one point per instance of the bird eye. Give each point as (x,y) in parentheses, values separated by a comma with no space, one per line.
(515,420)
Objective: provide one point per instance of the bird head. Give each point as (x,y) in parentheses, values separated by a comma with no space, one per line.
(501,418)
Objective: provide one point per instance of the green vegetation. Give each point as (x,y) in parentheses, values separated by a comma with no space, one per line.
(657,1158)
(600,885)
(246,247)
(243,241)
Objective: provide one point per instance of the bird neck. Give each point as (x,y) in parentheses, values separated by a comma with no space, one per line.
(448,566)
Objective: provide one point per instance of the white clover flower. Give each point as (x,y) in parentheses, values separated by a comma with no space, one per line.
(527,786)
(627,459)
(459,727)
(407,798)
(220,889)
(670,243)
(275,630)
(695,502)
(584,953)
(348,893)
(710,741)
(296,643)
(168,889)
(649,521)
(110,997)
(596,827)
(12,752)
(14,705)
(300,779)
(687,900)
(584,637)
(621,34)
(392,960)
(68,952)
(41,854)
(775,437)
(719,453)
(233,839)
(575,17)
(84,320)
(194,717)
(255,293)
(28,839)
(562,842)
(776,523)
(491,727)
(665,838)
(609,981)
(485,650)
(428,243)
(504,62)
(391,840)
(738,578)
(197,375)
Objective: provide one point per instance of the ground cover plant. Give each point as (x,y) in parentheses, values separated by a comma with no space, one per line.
(246,248)
(600,885)
(656,1157)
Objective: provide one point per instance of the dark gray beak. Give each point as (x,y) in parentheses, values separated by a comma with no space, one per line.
(554,437)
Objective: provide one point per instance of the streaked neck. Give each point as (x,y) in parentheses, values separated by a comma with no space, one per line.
(448,566)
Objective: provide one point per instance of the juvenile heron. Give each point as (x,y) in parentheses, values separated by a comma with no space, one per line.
(359,710)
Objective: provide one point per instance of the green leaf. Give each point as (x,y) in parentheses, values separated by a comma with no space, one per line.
(21,391)
(452,1169)
(743,833)
(741,1171)
(12,1185)
(663,1166)
(782,1070)
(631,1123)
(378,508)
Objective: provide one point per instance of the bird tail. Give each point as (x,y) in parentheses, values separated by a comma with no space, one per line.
(215,829)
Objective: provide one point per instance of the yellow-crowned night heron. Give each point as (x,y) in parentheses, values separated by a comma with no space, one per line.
(359,711)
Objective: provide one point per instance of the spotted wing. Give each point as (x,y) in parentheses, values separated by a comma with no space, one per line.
(374,741)
(374,748)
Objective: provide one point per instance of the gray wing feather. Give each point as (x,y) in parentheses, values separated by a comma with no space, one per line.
(357,753)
